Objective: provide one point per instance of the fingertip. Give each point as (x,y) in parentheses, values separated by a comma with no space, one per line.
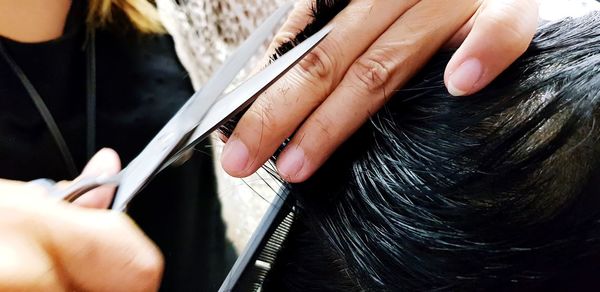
(235,157)
(291,164)
(466,78)
(105,161)
(296,165)
(500,34)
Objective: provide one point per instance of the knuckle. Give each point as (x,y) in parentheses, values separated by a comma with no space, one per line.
(514,34)
(324,124)
(373,71)
(147,263)
(148,270)
(318,66)
(511,32)
(118,219)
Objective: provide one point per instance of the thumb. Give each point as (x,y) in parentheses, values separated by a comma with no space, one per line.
(501,32)
(105,162)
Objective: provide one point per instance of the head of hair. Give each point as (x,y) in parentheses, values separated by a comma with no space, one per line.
(492,191)
(141,13)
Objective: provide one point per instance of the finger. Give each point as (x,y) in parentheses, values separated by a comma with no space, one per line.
(19,188)
(388,64)
(296,21)
(500,34)
(101,250)
(278,112)
(90,250)
(24,264)
(459,37)
(105,162)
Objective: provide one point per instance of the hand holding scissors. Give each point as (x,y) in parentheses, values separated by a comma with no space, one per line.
(203,113)
(54,246)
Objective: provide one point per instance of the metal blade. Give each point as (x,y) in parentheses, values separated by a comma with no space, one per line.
(232,103)
(148,162)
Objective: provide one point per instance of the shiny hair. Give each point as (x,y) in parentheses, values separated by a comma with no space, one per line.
(495,191)
(142,14)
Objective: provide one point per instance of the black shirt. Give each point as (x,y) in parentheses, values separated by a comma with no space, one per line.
(140,85)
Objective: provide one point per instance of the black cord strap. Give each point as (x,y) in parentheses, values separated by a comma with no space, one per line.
(91,92)
(44,112)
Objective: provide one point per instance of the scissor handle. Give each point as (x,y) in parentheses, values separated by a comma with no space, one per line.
(82,186)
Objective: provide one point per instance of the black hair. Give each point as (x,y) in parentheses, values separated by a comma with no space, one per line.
(492,191)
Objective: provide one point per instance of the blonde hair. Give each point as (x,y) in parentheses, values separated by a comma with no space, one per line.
(141,13)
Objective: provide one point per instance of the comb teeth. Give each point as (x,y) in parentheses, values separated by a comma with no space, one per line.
(253,265)
(268,254)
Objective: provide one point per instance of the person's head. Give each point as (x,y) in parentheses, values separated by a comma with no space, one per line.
(492,191)
(141,13)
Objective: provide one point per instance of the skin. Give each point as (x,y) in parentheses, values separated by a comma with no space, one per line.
(53,246)
(47,245)
(337,87)
(33,21)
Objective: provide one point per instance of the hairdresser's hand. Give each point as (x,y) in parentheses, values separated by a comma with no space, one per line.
(47,245)
(375,48)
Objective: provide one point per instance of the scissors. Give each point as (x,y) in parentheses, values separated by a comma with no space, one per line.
(204,112)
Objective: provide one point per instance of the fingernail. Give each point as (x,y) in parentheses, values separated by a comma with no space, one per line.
(235,156)
(290,163)
(464,78)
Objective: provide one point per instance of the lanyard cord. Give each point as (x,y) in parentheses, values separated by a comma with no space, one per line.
(45,112)
(90,52)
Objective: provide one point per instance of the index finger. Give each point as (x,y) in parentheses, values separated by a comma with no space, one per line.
(280,110)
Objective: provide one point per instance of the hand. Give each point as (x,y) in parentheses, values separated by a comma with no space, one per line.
(47,245)
(339,85)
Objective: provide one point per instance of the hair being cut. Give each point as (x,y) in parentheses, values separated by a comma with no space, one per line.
(493,191)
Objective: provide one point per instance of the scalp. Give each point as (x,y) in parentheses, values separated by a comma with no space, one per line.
(485,192)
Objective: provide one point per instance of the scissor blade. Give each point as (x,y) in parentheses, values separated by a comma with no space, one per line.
(232,103)
(148,162)
(223,77)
